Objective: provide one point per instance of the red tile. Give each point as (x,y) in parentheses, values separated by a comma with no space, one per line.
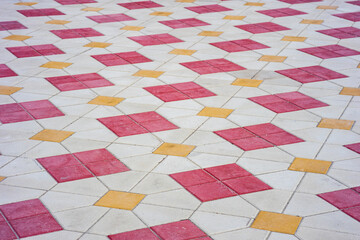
(198,93)
(22,52)
(299,1)
(184,23)
(156,39)
(228,171)
(352,16)
(253,143)
(23,209)
(210,191)
(281,12)
(95,156)
(342,199)
(357,189)
(146,116)
(239,45)
(264,129)
(353,212)
(12,113)
(186,86)
(264,27)
(59,161)
(282,138)
(181,230)
(41,109)
(118,17)
(76,33)
(282,107)
(103,168)
(354,147)
(330,51)
(208,8)
(5,71)
(11,25)
(191,178)
(212,66)
(69,173)
(124,58)
(234,133)
(122,126)
(145,234)
(158,126)
(342,33)
(36,225)
(140,5)
(71,2)
(5,232)
(267,99)
(356,2)
(246,185)
(40,12)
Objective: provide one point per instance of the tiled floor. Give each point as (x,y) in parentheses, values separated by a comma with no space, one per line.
(180,119)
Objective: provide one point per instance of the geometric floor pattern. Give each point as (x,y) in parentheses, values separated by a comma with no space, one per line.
(179,119)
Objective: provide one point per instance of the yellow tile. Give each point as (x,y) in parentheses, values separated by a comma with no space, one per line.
(121,200)
(161,13)
(2,178)
(350,91)
(310,21)
(215,112)
(232,17)
(92,9)
(132,28)
(336,124)
(57,65)
(183,52)
(247,82)
(6,90)
(107,101)
(186,1)
(51,135)
(17,37)
(269,58)
(254,4)
(358,65)
(310,165)
(174,149)
(276,222)
(97,45)
(26,3)
(210,33)
(293,39)
(327,7)
(59,22)
(148,73)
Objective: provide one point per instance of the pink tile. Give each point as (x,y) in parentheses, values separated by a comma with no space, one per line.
(146,116)
(246,185)
(71,2)
(11,25)
(330,51)
(210,191)
(357,189)
(264,27)
(342,33)
(234,133)
(158,126)
(122,126)
(118,17)
(198,93)
(35,225)
(356,2)
(208,8)
(95,156)
(212,66)
(342,199)
(181,230)
(140,5)
(354,147)
(239,45)
(22,52)
(139,234)
(103,168)
(282,138)
(40,12)
(352,16)
(59,161)
(76,33)
(299,1)
(156,39)
(191,178)
(124,58)
(5,232)
(353,212)
(184,23)
(282,107)
(281,12)
(47,49)
(23,209)
(253,143)
(42,109)
(228,171)
(69,173)
(12,113)
(5,71)
(264,129)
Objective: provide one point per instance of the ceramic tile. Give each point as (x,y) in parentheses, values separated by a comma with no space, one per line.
(336,124)
(215,112)
(276,222)
(310,165)
(173,149)
(121,200)
(52,135)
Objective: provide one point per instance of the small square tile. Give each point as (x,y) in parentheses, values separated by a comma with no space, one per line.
(120,200)
(353,212)
(247,82)
(52,135)
(56,65)
(92,9)
(228,171)
(26,3)
(247,184)
(264,27)
(336,124)
(293,39)
(140,5)
(106,101)
(215,112)
(155,39)
(23,209)
(97,45)
(234,17)
(310,165)
(269,58)
(144,233)
(7,90)
(11,25)
(40,12)
(210,33)
(183,52)
(178,230)
(351,16)
(174,149)
(132,28)
(184,23)
(281,12)
(208,8)
(58,22)
(256,4)
(193,177)
(350,91)
(342,199)
(148,73)
(310,21)
(326,7)
(276,222)
(161,13)
(210,191)
(17,37)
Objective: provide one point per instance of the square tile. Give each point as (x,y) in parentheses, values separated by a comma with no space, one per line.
(281,12)
(246,82)
(264,27)
(326,7)
(212,66)
(156,39)
(351,16)
(255,4)
(5,71)
(310,21)
(71,2)
(187,52)
(336,124)
(210,33)
(354,147)
(11,25)
(6,232)
(185,1)
(342,199)
(140,5)
(120,200)
(276,222)
(98,45)
(7,90)
(132,28)
(123,58)
(12,113)
(208,8)
(353,212)
(193,177)
(234,17)
(58,22)
(106,101)
(299,1)
(52,135)
(56,65)
(251,143)
(310,165)
(35,50)
(179,230)
(293,39)
(148,73)
(239,45)
(247,184)
(342,33)
(228,171)
(215,112)
(117,17)
(91,9)
(210,191)
(17,37)
(161,14)
(40,12)
(330,51)
(174,149)
(28,208)
(76,33)
(144,233)
(269,58)
(184,23)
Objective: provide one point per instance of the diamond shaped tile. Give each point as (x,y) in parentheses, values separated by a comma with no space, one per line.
(342,199)
(106,101)
(91,9)
(51,135)
(212,66)
(264,27)
(132,28)
(281,12)
(183,52)
(210,33)
(184,23)
(56,65)
(97,45)
(239,45)
(5,71)
(35,50)
(117,17)
(256,4)
(26,3)
(174,149)
(354,147)
(40,12)
(330,51)
(208,8)
(148,73)
(247,82)
(342,33)
(140,5)
(156,39)
(58,22)
(276,222)
(123,58)
(7,90)
(71,2)
(234,17)
(179,230)
(215,112)
(17,37)
(293,39)
(11,25)
(299,1)
(311,21)
(76,33)
(310,165)
(336,124)
(161,14)
(120,200)
(351,16)
(269,58)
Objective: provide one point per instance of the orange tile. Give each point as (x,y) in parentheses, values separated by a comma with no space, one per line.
(132,28)
(232,17)
(336,124)
(247,82)
(148,73)
(50,135)
(106,101)
(310,21)
(350,91)
(210,33)
(269,58)
(26,3)
(97,45)
(186,1)
(310,165)
(92,9)
(7,90)
(161,13)
(17,37)
(327,7)
(215,112)
(57,65)
(58,22)
(174,149)
(2,178)
(254,4)
(293,39)
(120,200)
(276,222)
(182,52)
